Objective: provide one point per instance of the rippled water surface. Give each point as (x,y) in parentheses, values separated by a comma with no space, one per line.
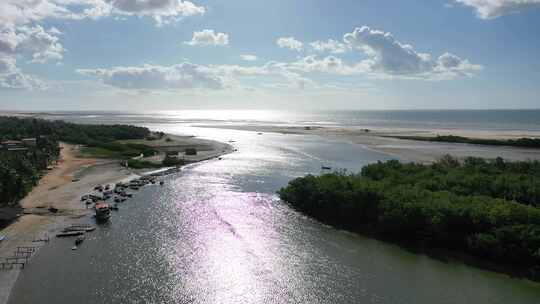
(217,233)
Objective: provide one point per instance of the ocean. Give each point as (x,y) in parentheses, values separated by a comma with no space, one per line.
(485,120)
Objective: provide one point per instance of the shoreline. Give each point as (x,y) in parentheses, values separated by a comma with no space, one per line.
(62,188)
(383,140)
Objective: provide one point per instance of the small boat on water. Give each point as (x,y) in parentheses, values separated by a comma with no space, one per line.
(70,233)
(82,227)
(79,240)
(103,211)
(326,168)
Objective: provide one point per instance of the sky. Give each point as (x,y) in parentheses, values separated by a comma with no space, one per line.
(305,54)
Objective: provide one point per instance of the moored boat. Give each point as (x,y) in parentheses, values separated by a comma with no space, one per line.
(70,233)
(79,240)
(103,211)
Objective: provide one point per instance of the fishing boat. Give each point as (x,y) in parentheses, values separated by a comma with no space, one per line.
(103,211)
(79,240)
(82,227)
(70,233)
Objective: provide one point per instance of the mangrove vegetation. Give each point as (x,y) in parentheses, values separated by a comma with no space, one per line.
(485,208)
(524,142)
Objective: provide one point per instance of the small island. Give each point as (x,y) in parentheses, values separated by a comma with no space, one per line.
(487,209)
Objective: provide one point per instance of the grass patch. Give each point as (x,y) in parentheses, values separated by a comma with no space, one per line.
(141,164)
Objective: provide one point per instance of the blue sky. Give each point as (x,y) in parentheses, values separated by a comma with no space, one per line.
(173,54)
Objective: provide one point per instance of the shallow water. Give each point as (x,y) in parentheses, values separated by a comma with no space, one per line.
(217,233)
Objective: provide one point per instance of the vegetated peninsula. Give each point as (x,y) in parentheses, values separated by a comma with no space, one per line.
(30,146)
(523,142)
(485,208)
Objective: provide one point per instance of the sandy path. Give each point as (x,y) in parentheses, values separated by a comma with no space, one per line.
(46,193)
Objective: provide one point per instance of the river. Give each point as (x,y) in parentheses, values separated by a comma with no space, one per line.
(217,233)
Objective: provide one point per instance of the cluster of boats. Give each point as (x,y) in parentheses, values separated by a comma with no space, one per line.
(119,194)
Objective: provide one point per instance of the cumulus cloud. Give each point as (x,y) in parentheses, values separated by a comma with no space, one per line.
(153,77)
(23,12)
(389,57)
(28,42)
(290,43)
(248,57)
(7,65)
(331,46)
(22,36)
(163,11)
(40,44)
(490,9)
(208,37)
(12,78)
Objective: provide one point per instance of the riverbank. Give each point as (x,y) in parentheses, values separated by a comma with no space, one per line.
(384,140)
(62,187)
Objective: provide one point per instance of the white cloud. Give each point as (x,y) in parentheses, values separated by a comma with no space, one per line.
(329,64)
(332,46)
(163,11)
(208,37)
(290,43)
(489,9)
(41,45)
(28,42)
(389,57)
(12,78)
(21,36)
(23,12)
(7,65)
(248,57)
(153,77)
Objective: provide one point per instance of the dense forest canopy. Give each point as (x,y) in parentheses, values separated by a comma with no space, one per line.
(485,208)
(17,128)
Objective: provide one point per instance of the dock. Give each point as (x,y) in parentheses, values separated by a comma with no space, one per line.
(20,257)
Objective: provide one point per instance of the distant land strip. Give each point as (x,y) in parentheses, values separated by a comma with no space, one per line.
(524,142)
